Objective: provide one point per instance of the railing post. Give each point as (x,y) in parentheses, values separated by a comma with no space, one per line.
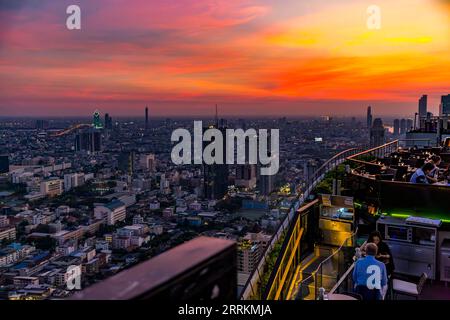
(321,278)
(315,285)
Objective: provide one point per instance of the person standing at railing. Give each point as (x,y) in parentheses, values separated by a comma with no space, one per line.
(370,275)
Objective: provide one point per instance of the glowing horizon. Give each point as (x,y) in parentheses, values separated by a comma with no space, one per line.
(250,57)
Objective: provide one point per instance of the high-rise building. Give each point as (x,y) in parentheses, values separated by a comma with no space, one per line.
(146,117)
(246,175)
(396,131)
(409,124)
(248,256)
(111,212)
(266,184)
(215,176)
(423,106)
(41,124)
(164,184)
(52,187)
(445,104)
(89,140)
(403,126)
(369,117)
(148,162)
(96,121)
(309,168)
(126,162)
(73,180)
(108,121)
(4,163)
(377,133)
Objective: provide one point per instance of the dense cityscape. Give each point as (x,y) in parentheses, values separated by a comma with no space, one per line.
(102,194)
(95,196)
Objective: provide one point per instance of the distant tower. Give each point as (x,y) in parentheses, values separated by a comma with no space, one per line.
(126,161)
(445,105)
(146,117)
(246,175)
(403,126)
(266,184)
(377,133)
(108,121)
(89,140)
(396,127)
(369,117)
(409,124)
(423,106)
(215,176)
(97,122)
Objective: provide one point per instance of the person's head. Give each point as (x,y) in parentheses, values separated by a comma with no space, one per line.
(427,167)
(371,249)
(375,237)
(436,160)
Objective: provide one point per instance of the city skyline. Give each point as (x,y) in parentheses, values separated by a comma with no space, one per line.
(250,57)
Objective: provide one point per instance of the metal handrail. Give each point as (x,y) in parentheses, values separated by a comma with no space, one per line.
(374,149)
(344,277)
(329,165)
(327,259)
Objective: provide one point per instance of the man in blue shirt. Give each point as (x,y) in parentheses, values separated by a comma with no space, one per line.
(369,275)
(420,176)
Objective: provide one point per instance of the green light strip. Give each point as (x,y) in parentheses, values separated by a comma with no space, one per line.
(399,215)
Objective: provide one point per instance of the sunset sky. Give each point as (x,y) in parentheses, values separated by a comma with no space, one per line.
(180,57)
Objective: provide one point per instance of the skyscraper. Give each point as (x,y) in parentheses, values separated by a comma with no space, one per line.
(215,176)
(423,106)
(409,124)
(4,163)
(89,140)
(377,133)
(403,126)
(148,162)
(396,127)
(246,175)
(445,104)
(41,124)
(108,121)
(97,122)
(369,117)
(266,184)
(126,162)
(309,167)
(146,117)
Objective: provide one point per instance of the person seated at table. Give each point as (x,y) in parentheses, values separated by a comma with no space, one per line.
(420,176)
(370,275)
(434,174)
(384,253)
